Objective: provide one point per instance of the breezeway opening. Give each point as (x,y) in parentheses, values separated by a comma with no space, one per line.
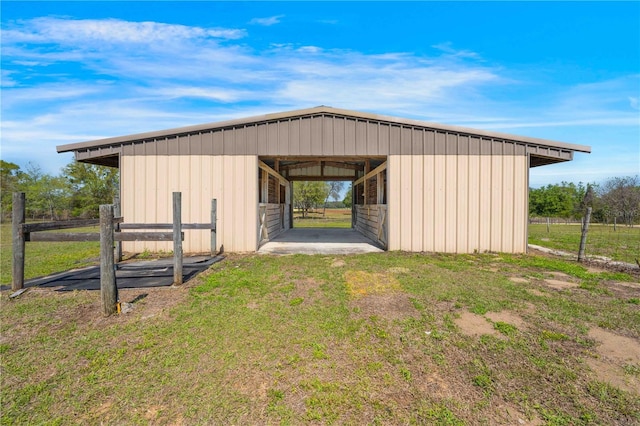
(367,218)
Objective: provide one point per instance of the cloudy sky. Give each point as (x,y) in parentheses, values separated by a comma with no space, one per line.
(77,71)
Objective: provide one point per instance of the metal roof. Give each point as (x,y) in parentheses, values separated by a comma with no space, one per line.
(317,111)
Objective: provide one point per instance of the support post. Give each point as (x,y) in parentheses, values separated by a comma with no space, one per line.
(214,220)
(117,213)
(177,238)
(108,288)
(17,220)
(583,238)
(547,224)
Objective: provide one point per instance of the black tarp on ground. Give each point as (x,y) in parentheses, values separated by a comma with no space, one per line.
(152,273)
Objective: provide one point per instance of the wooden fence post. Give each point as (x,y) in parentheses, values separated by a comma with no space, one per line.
(177,238)
(583,238)
(108,288)
(117,213)
(17,220)
(214,219)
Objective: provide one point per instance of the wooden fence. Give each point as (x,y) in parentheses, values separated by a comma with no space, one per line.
(111,227)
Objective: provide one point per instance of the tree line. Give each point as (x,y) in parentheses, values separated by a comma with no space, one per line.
(617,200)
(76,192)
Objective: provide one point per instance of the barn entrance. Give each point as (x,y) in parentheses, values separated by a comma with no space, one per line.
(367,176)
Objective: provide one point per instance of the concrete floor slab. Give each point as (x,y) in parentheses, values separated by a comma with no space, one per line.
(320,241)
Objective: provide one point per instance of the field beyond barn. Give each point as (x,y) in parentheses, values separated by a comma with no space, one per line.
(390,338)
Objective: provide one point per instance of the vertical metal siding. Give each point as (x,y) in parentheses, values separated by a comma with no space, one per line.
(457,204)
(148,181)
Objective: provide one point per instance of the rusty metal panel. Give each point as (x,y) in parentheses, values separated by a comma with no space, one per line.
(350,137)
(305,136)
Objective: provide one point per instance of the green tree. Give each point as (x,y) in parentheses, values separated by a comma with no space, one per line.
(348,198)
(563,200)
(90,185)
(335,187)
(308,195)
(10,175)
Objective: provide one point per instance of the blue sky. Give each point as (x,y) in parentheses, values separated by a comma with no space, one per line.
(77,71)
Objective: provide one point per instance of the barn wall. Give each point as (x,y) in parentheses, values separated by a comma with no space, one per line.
(148,182)
(457,203)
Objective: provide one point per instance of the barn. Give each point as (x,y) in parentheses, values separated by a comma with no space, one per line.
(418,186)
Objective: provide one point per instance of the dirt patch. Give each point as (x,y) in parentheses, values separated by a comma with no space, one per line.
(625,290)
(559,284)
(393,306)
(338,263)
(506,317)
(518,280)
(361,283)
(615,352)
(475,325)
(539,293)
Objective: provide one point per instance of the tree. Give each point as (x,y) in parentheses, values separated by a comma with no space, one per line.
(348,198)
(559,200)
(335,188)
(10,175)
(621,198)
(307,195)
(91,185)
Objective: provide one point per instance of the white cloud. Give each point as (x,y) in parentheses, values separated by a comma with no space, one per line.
(267,22)
(73,31)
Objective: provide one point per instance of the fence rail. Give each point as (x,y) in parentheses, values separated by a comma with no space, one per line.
(110,235)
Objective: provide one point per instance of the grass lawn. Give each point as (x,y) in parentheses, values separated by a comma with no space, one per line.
(391,338)
(332,218)
(622,244)
(42,258)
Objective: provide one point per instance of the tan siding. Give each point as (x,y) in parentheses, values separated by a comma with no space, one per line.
(394,204)
(417,202)
(457,203)
(152,179)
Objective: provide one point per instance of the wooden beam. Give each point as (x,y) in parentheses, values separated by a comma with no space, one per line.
(178,236)
(348,166)
(93,236)
(302,165)
(67,224)
(108,288)
(272,172)
(322,178)
(165,226)
(18,235)
(372,173)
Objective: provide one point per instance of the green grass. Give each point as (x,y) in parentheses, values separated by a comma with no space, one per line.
(283,340)
(621,245)
(44,258)
(332,218)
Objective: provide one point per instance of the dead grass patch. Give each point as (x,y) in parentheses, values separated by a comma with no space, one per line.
(361,283)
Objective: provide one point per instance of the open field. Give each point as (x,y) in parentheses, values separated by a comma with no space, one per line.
(334,218)
(45,258)
(622,244)
(391,338)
